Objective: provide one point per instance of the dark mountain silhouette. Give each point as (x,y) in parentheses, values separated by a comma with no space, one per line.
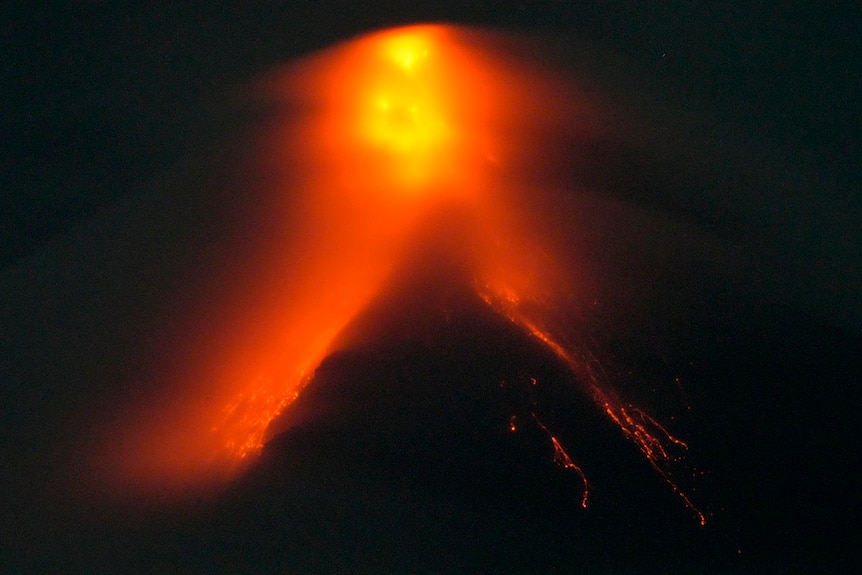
(399,456)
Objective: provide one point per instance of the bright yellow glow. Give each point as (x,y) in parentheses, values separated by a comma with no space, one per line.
(407,55)
(402,112)
(407,111)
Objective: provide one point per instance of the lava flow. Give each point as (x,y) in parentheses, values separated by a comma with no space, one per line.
(369,139)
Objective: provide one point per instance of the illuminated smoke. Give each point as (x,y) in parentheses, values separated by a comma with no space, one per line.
(367,141)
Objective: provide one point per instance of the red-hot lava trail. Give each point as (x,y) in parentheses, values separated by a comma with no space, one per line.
(366,141)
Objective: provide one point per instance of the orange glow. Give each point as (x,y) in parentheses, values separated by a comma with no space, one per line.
(403,111)
(367,140)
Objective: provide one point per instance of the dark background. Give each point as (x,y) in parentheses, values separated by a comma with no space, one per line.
(100,99)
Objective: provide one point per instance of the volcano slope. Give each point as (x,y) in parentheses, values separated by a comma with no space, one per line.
(426,446)
(426,443)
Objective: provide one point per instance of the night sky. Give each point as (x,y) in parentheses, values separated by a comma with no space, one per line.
(729,210)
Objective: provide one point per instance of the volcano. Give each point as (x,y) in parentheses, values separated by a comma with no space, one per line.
(435,299)
(441,437)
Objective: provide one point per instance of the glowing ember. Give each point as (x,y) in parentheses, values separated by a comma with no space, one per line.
(659,447)
(562,459)
(390,128)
